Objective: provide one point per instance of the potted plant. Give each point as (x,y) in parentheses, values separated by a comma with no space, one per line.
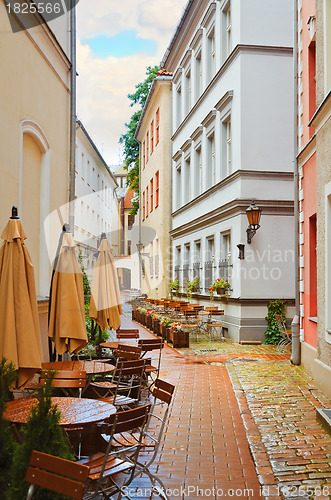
(173,287)
(165,327)
(220,286)
(156,318)
(191,286)
(178,336)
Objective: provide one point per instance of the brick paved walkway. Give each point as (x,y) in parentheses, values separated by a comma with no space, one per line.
(240,421)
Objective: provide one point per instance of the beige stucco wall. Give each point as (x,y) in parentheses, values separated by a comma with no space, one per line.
(34,139)
(157,221)
(33,86)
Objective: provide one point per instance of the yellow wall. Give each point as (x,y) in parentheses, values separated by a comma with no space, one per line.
(34,87)
(157,221)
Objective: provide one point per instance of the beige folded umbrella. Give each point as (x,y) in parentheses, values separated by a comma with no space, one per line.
(105,304)
(66,326)
(19,325)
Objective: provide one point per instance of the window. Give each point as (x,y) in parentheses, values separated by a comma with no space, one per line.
(147,147)
(144,155)
(144,205)
(312,267)
(210,161)
(178,186)
(228,146)
(178,106)
(157,126)
(211,64)
(197,172)
(157,180)
(147,201)
(152,136)
(198,76)
(228,30)
(152,193)
(187,191)
(188,91)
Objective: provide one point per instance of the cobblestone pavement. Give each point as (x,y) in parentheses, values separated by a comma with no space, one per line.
(242,425)
(291,450)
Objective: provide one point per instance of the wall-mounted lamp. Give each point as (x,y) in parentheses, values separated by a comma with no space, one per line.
(241,247)
(253,215)
(140,246)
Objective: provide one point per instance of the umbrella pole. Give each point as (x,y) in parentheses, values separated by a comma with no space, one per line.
(99,350)
(52,353)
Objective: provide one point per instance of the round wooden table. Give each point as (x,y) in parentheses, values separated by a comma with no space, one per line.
(74,411)
(90,367)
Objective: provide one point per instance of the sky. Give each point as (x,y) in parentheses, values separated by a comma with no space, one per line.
(116,41)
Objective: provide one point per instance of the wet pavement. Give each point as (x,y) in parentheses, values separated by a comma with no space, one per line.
(242,425)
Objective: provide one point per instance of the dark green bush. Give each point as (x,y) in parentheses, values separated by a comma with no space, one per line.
(7,443)
(41,433)
(272,334)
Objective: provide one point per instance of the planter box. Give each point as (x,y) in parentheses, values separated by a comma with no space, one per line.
(156,327)
(179,339)
(149,323)
(220,291)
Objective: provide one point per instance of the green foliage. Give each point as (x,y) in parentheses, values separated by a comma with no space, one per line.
(7,443)
(173,287)
(272,334)
(41,433)
(131,146)
(86,280)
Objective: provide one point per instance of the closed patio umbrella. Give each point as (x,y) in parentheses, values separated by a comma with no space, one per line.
(19,324)
(66,325)
(105,304)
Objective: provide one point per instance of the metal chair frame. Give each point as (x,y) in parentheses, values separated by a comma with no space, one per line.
(104,466)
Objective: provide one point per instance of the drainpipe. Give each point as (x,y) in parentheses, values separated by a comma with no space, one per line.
(72,116)
(296,346)
(170,186)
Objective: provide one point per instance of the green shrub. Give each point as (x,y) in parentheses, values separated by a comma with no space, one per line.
(272,334)
(41,433)
(7,443)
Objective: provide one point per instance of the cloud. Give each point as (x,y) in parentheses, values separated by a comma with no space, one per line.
(104,82)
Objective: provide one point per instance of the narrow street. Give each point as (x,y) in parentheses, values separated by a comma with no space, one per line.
(241,426)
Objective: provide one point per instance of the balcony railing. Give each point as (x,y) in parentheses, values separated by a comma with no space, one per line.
(157,265)
(186,271)
(177,273)
(224,269)
(208,274)
(151,267)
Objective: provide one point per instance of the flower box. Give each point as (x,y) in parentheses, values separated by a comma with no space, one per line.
(220,291)
(149,322)
(179,338)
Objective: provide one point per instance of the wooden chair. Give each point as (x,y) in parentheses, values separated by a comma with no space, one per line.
(285,333)
(153,364)
(56,474)
(130,333)
(125,385)
(71,382)
(104,468)
(152,436)
(128,352)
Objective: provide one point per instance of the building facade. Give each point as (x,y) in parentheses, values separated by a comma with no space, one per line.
(307,178)
(153,134)
(232,143)
(96,203)
(319,358)
(34,139)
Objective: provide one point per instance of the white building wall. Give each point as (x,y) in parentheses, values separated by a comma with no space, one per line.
(96,202)
(253,88)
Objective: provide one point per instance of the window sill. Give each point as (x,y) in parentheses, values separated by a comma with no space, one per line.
(313,319)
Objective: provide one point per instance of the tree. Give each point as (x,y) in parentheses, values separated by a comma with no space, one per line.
(131,146)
